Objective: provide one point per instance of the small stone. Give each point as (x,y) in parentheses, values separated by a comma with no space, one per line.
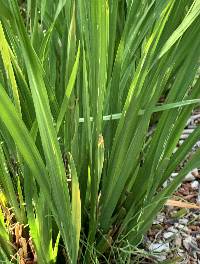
(159,247)
(198,237)
(172,229)
(180,226)
(189,177)
(180,142)
(159,219)
(170,221)
(178,241)
(161,258)
(168,235)
(183,234)
(185,229)
(165,184)
(195,172)
(190,244)
(176,225)
(174,174)
(195,185)
(175,150)
(183,136)
(183,221)
(187,242)
(188,131)
(198,198)
(198,144)
(195,117)
(191,127)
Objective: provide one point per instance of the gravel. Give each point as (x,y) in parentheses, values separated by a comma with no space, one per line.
(167,235)
(190,244)
(178,237)
(159,247)
(195,185)
(189,177)
(184,221)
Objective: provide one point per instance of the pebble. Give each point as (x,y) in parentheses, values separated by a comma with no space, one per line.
(159,247)
(180,226)
(175,150)
(172,229)
(183,136)
(190,243)
(165,184)
(185,232)
(170,221)
(174,174)
(194,117)
(180,142)
(161,258)
(195,172)
(189,177)
(178,241)
(188,131)
(198,198)
(160,218)
(168,235)
(198,237)
(187,242)
(195,185)
(183,221)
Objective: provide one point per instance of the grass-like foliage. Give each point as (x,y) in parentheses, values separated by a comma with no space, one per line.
(81,84)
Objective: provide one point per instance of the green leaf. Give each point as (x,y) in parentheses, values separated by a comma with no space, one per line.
(68,91)
(76,206)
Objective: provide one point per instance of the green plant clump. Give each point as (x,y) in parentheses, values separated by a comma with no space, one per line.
(81,83)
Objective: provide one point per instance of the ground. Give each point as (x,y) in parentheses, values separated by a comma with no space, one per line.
(175,234)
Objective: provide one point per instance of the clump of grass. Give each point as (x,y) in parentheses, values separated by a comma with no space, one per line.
(81,84)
